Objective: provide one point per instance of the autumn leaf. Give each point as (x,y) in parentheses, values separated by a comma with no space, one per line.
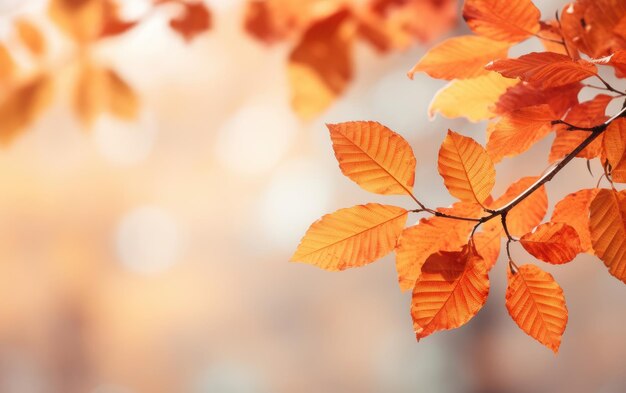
(451,290)
(607,225)
(502,20)
(7,65)
(487,243)
(373,156)
(546,69)
(586,114)
(555,243)
(22,106)
(593,26)
(560,99)
(320,66)
(617,60)
(467,171)
(529,212)
(393,24)
(431,235)
(460,57)
(81,20)
(537,305)
(100,90)
(519,130)
(471,98)
(31,37)
(614,143)
(351,237)
(573,210)
(195,19)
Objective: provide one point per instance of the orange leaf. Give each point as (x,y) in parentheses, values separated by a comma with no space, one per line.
(501,20)
(393,24)
(615,149)
(546,69)
(560,99)
(470,98)
(452,289)
(573,210)
(320,66)
(460,57)
(373,156)
(528,213)
(607,225)
(555,243)
(537,305)
(592,25)
(99,90)
(7,65)
(82,20)
(431,235)
(519,130)
(22,106)
(616,60)
(195,19)
(31,37)
(351,237)
(488,244)
(586,114)
(467,171)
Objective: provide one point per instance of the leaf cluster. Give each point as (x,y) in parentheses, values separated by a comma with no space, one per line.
(446,258)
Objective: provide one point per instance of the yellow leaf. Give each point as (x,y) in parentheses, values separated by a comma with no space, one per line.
(351,237)
(471,98)
(466,168)
(373,156)
(537,305)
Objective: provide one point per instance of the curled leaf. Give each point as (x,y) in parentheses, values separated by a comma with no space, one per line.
(451,290)
(555,243)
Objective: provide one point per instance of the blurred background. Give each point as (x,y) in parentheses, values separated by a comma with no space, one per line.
(144,247)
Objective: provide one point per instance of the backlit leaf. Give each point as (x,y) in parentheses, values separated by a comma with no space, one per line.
(467,171)
(502,20)
(451,290)
(546,69)
(607,225)
(351,237)
(573,210)
(555,243)
(431,235)
(31,37)
(529,212)
(586,114)
(537,305)
(22,106)
(460,57)
(615,149)
(471,98)
(373,156)
(320,66)
(519,130)
(560,99)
